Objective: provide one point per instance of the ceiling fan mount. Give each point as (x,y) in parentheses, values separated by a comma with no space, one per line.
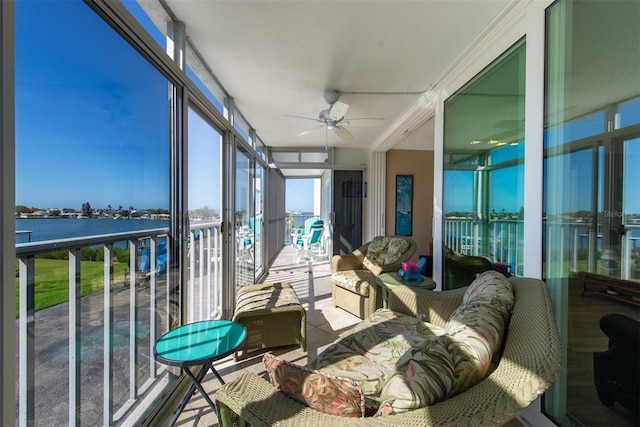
(331,96)
(334,117)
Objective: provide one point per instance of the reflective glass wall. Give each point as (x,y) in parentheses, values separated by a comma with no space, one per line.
(244,219)
(92,164)
(591,179)
(204,284)
(483,169)
(104,155)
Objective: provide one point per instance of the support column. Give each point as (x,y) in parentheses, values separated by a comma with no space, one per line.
(176,42)
(7,224)
(376,195)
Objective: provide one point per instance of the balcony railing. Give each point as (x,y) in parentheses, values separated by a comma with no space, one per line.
(90,360)
(505,240)
(578,245)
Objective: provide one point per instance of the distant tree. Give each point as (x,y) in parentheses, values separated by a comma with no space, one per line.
(54,212)
(86,209)
(23,209)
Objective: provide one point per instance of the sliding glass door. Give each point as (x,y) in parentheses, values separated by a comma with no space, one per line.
(591,181)
(204,279)
(483,172)
(244,219)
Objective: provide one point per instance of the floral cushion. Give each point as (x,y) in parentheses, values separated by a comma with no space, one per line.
(368,353)
(439,369)
(482,319)
(357,281)
(403,363)
(384,250)
(489,281)
(325,393)
(458,359)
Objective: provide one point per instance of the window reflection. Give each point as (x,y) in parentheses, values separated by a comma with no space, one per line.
(483,172)
(591,179)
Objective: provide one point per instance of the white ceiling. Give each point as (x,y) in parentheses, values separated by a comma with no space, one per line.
(276,58)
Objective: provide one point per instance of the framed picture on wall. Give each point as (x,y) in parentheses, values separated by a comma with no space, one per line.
(404,204)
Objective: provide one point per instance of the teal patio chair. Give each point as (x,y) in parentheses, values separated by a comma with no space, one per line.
(308,244)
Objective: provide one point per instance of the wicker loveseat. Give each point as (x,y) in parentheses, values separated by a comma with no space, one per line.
(354,275)
(529,362)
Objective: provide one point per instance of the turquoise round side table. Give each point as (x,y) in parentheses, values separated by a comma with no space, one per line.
(199,344)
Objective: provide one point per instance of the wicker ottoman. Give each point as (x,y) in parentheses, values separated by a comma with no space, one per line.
(272,315)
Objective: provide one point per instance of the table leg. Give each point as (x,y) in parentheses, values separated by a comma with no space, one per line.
(385,296)
(196,384)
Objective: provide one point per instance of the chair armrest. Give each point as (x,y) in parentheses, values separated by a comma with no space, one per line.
(622,330)
(472,263)
(352,261)
(394,266)
(431,306)
(257,402)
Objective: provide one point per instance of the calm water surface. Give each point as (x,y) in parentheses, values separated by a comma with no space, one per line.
(61,228)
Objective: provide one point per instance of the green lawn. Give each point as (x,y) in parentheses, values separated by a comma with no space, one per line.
(52,280)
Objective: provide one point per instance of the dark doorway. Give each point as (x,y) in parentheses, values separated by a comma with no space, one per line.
(347,211)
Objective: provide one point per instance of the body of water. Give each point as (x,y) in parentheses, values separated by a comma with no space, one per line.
(63,228)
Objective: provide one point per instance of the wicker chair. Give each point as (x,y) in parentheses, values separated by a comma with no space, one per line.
(354,280)
(530,362)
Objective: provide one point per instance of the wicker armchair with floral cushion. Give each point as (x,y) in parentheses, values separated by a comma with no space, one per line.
(439,376)
(354,275)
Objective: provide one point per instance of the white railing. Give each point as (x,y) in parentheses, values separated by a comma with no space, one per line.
(94,353)
(505,240)
(205,272)
(571,238)
(575,242)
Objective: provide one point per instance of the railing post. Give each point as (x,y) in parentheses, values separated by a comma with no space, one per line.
(107,399)
(74,336)
(201,273)
(133,324)
(26,342)
(153,255)
(192,275)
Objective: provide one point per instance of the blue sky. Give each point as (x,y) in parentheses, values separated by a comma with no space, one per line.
(299,195)
(90,126)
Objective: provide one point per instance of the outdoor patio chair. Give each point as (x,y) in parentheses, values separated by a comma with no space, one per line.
(144,272)
(311,243)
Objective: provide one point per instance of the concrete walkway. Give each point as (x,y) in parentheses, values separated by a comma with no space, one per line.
(51,354)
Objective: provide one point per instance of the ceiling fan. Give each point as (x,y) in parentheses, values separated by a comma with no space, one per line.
(334,118)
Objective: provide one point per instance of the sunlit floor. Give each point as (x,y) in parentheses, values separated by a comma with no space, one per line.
(312,283)
(325,323)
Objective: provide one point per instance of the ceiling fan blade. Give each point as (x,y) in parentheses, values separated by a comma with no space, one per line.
(344,134)
(363,122)
(301,117)
(338,110)
(315,128)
